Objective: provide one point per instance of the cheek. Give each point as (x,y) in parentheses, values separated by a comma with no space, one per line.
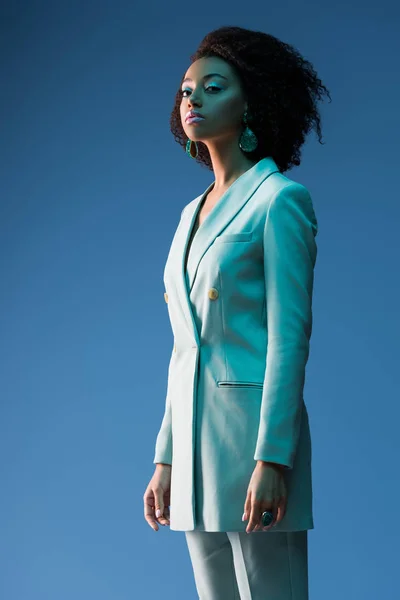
(227,112)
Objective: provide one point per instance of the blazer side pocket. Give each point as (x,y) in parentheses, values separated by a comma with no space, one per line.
(240,384)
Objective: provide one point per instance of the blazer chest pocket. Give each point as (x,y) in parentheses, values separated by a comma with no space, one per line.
(244,236)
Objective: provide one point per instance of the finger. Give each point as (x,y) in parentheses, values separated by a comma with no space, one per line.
(159,509)
(282,502)
(167,514)
(149,514)
(247,507)
(165,520)
(284,496)
(250,516)
(159,506)
(279,505)
(255,514)
(282,507)
(279,512)
(273,510)
(259,526)
(148,503)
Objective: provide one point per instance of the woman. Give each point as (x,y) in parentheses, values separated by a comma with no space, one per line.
(235,437)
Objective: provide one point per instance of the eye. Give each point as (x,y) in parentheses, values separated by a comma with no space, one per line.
(209,87)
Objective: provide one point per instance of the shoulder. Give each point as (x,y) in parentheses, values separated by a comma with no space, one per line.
(278,184)
(280,194)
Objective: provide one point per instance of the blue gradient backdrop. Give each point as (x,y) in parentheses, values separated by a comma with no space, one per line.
(92,186)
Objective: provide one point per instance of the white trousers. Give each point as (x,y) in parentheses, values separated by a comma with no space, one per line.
(261,565)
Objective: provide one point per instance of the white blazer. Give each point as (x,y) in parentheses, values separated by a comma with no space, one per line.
(241,317)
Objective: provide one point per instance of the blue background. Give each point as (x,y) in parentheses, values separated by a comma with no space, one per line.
(92,187)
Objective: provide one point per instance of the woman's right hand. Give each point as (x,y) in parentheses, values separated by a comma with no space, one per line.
(157,496)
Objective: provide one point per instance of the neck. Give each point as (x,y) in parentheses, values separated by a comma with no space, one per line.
(228,163)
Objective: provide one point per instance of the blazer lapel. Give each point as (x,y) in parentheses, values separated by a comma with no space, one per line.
(220,216)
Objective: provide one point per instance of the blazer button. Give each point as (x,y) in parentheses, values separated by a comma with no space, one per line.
(166,297)
(213,293)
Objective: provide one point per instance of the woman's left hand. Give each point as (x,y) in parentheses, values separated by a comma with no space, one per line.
(266,491)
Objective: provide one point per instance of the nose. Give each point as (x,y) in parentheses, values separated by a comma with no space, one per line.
(192,101)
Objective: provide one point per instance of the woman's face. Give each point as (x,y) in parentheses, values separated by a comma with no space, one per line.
(218,98)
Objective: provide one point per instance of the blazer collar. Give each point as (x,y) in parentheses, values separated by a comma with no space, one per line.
(230,203)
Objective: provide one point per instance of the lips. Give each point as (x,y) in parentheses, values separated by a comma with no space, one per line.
(191,114)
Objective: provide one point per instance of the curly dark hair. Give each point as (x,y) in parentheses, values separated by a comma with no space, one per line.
(281,89)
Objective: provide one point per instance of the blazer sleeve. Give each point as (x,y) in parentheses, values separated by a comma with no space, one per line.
(290,253)
(163,448)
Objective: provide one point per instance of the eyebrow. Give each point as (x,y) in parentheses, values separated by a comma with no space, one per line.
(206,77)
